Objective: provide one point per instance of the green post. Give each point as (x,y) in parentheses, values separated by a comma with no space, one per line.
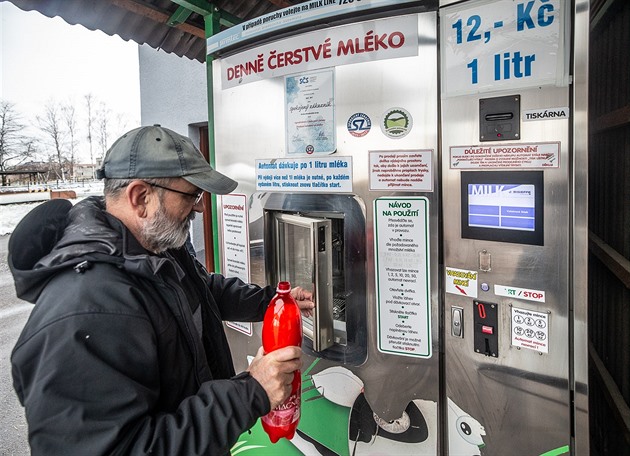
(212,27)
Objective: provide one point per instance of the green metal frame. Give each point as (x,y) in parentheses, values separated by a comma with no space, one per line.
(213,19)
(203,8)
(212,27)
(179,17)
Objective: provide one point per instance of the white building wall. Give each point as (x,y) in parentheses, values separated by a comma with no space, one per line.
(173,90)
(173,93)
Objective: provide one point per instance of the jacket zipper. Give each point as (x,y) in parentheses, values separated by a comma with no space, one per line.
(188,332)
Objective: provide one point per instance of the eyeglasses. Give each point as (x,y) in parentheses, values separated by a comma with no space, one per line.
(197,195)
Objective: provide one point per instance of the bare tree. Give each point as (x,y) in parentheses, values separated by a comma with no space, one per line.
(121,124)
(15,148)
(70,121)
(89,100)
(51,124)
(103,119)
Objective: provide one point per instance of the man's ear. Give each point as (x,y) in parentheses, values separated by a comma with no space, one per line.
(139,195)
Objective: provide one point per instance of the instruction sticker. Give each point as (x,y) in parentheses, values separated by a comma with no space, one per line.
(236,245)
(410,171)
(519,293)
(461,282)
(530,329)
(506,156)
(403,293)
(321,174)
(293,16)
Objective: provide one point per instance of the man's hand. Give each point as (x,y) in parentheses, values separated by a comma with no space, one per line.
(304,299)
(274,371)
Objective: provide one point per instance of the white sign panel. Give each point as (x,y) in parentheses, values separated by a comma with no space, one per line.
(530,329)
(291,17)
(310,113)
(401,243)
(236,245)
(410,171)
(520,293)
(498,45)
(506,156)
(362,42)
(316,174)
(461,282)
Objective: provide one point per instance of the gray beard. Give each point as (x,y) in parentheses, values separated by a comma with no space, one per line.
(163,232)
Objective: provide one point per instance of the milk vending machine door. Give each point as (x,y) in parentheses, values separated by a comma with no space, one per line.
(301,249)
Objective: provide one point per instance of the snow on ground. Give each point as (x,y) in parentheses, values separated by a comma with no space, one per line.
(11,214)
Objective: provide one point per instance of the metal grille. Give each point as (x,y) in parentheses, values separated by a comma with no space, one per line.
(609,225)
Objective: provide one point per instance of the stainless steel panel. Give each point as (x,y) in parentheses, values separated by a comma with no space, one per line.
(250,125)
(523,399)
(579,220)
(521,393)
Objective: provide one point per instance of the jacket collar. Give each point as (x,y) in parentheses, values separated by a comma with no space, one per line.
(85,233)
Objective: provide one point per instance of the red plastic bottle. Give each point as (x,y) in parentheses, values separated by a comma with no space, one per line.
(282,327)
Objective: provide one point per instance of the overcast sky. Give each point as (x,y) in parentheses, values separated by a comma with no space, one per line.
(46,59)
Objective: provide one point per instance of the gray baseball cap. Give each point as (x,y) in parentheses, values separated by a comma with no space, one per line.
(155,152)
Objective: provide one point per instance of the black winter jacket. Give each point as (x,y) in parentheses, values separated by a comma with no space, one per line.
(125,352)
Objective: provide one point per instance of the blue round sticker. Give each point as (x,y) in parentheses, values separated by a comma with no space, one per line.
(359,124)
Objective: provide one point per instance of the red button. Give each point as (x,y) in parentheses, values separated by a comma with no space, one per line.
(487,329)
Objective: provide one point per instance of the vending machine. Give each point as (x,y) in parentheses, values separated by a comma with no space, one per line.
(514,194)
(412,164)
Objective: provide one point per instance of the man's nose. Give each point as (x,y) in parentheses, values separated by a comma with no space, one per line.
(199,207)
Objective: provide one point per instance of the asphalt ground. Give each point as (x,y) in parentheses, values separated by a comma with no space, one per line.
(13,315)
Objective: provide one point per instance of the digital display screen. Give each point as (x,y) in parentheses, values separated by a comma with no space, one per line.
(503,206)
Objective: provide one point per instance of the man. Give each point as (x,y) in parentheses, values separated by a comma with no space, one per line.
(125,352)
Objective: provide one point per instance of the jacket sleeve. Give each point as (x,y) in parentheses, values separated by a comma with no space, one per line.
(90,384)
(237,300)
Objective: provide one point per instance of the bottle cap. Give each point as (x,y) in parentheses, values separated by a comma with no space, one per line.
(284,286)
